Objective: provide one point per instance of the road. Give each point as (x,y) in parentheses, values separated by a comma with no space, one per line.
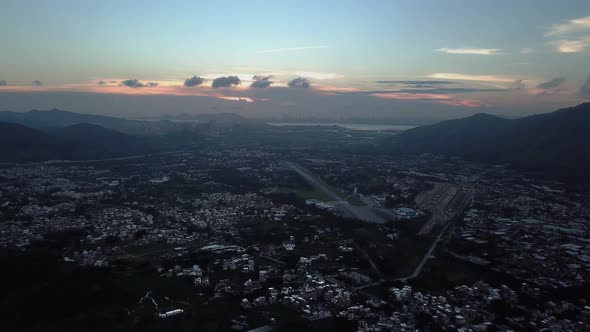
(440,197)
(426,257)
(273,259)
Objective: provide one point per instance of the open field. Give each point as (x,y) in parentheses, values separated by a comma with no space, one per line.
(313,194)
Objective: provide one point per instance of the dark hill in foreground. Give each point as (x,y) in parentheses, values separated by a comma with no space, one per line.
(76,142)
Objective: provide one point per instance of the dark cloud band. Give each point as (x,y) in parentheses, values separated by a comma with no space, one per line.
(225,81)
(417,82)
(138,84)
(552,84)
(299,82)
(194,81)
(261,81)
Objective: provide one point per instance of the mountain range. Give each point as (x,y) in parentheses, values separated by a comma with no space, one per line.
(62,135)
(557,142)
(58,118)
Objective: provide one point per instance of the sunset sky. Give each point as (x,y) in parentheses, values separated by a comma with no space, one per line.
(410,60)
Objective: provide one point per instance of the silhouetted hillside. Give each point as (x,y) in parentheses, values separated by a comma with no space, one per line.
(58,118)
(77,142)
(557,142)
(18,142)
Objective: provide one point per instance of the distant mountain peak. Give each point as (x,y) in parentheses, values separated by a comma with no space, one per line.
(583,106)
(484,116)
(557,142)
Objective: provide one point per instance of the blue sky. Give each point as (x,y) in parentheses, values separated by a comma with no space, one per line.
(340,46)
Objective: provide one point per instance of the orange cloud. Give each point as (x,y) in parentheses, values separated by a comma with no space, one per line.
(245,99)
(113,87)
(176,88)
(411,96)
(462,102)
(448,100)
(329,88)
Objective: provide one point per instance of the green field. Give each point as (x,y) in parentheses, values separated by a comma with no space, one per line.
(353,200)
(322,196)
(314,194)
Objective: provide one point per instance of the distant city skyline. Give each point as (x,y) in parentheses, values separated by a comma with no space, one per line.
(331,59)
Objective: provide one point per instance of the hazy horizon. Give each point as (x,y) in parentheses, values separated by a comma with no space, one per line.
(330,60)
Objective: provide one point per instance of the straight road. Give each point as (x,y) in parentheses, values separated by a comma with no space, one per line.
(438,212)
(426,256)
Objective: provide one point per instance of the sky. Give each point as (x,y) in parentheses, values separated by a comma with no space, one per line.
(414,60)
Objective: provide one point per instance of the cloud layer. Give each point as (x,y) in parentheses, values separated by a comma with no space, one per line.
(570,37)
(552,84)
(469,77)
(299,82)
(261,81)
(571,45)
(470,50)
(225,81)
(417,82)
(138,84)
(3,83)
(194,81)
(518,85)
(574,25)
